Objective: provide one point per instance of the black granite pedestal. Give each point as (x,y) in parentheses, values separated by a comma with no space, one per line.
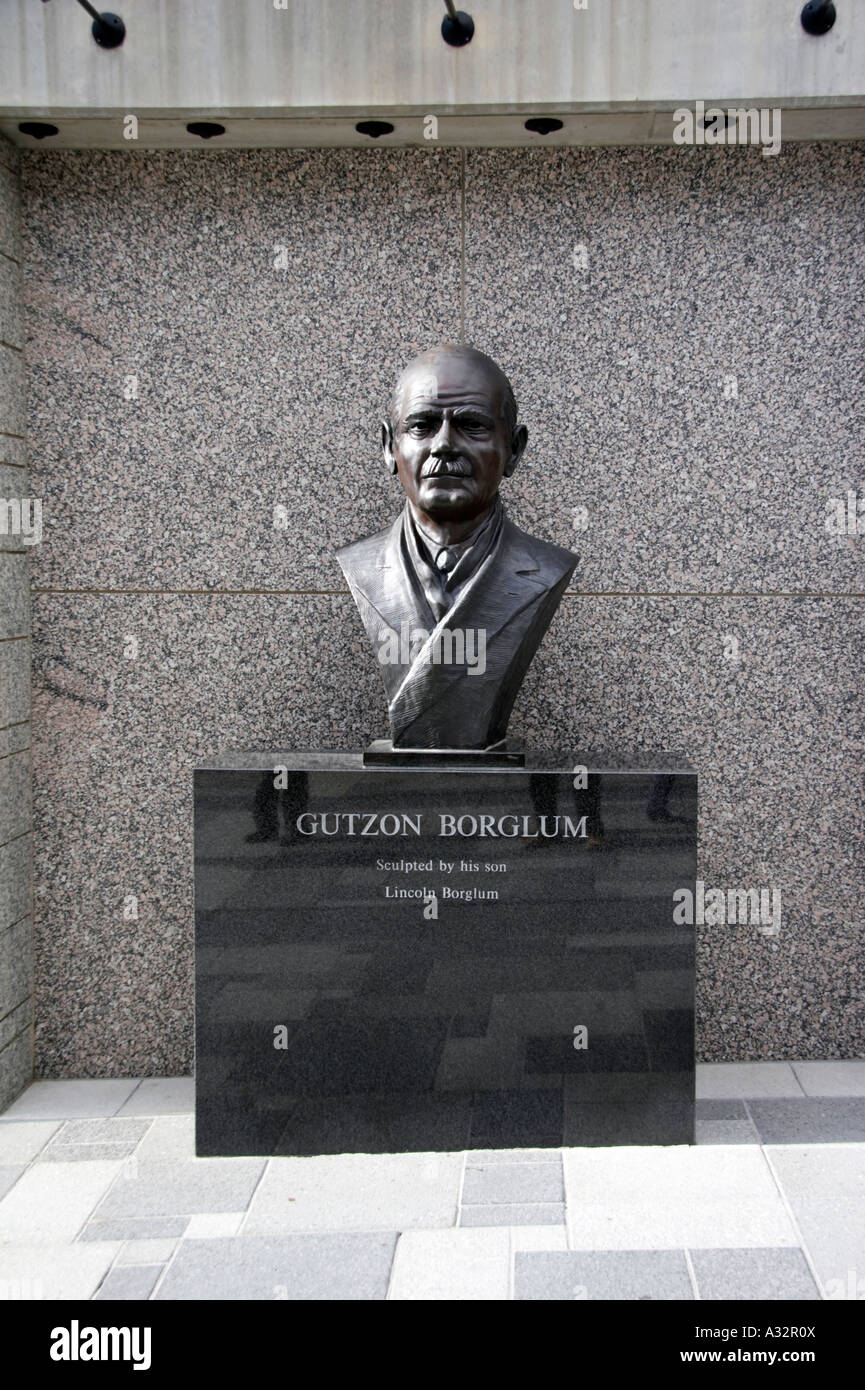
(428,958)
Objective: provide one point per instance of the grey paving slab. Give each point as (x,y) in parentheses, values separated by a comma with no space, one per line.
(286,1268)
(83,1153)
(738,1274)
(725,1132)
(527,1214)
(825,1187)
(723,1122)
(78,1140)
(162,1095)
(512,1183)
(52,1201)
(146,1252)
(356,1192)
(110,1131)
(129,1283)
(67,1100)
(163,1188)
(810,1120)
(9,1175)
(720,1110)
(135,1228)
(601,1274)
(741,1080)
(837,1078)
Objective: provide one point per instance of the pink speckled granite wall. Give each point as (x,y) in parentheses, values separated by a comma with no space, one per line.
(696,386)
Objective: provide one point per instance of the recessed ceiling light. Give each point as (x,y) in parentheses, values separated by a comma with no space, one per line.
(544,125)
(374,128)
(40,130)
(206,129)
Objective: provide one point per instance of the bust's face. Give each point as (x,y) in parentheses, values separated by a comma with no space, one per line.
(451,445)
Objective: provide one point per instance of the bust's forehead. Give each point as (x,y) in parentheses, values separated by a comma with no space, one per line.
(449,379)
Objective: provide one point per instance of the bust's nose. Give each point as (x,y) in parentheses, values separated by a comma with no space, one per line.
(443,444)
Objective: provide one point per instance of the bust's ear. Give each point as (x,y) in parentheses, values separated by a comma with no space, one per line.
(519,441)
(387,446)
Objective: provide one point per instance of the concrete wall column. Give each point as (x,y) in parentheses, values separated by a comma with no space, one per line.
(17,534)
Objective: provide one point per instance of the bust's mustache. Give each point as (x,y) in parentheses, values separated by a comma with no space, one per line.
(448,468)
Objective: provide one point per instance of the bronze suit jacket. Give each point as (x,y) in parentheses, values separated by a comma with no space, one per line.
(511,598)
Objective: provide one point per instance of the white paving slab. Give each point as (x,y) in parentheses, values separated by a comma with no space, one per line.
(169,1137)
(669,1198)
(70,1100)
(842,1078)
(162,1095)
(356,1192)
(538,1238)
(209,1225)
(51,1201)
(825,1186)
(54,1271)
(746,1080)
(452,1265)
(20,1143)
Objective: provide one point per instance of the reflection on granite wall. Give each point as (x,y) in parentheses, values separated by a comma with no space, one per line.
(17,533)
(210,338)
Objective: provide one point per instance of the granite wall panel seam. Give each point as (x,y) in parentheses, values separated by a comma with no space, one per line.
(10,926)
(14,1008)
(28,1026)
(781,594)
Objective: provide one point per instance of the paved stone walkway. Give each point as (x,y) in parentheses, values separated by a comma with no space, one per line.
(101,1197)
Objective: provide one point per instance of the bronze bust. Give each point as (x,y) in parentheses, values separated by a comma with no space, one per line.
(455,598)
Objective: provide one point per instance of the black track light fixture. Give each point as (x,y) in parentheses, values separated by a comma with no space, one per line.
(818,16)
(457,27)
(108,29)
